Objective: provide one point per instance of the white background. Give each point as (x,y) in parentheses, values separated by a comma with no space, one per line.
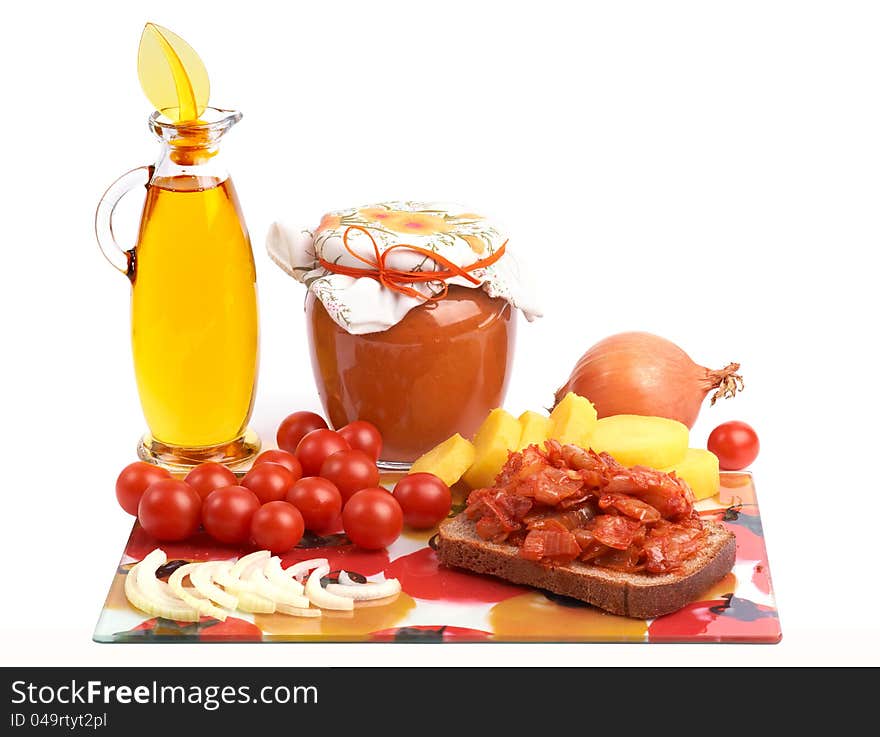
(706,171)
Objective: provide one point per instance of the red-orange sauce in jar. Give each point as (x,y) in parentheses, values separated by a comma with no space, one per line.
(435,373)
(411,317)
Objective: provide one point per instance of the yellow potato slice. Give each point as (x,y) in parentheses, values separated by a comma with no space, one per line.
(573,420)
(499,433)
(635,440)
(448,461)
(699,468)
(535,429)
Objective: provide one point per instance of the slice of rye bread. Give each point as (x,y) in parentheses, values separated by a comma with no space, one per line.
(641,595)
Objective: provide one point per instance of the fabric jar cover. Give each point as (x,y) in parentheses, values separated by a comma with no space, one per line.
(361,304)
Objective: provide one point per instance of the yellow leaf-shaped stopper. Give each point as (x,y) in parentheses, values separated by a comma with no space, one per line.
(172,75)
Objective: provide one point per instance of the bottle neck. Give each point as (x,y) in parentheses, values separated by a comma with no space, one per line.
(184,168)
(190,152)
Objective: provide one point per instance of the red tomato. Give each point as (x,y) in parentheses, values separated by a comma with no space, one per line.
(227,514)
(424,498)
(736,445)
(209,476)
(282,458)
(170,510)
(318,500)
(372,518)
(350,471)
(133,481)
(277,526)
(365,436)
(315,447)
(269,481)
(295,427)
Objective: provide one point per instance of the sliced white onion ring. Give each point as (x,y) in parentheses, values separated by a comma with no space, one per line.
(277,575)
(201,578)
(320,597)
(243,563)
(365,591)
(204,606)
(245,591)
(160,590)
(144,591)
(347,580)
(162,594)
(370,603)
(223,576)
(295,611)
(153,607)
(255,604)
(254,583)
(304,566)
(279,594)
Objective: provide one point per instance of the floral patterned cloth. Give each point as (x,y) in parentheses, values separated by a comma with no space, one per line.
(361,304)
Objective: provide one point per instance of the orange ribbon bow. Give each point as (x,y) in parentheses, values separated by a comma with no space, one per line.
(397,279)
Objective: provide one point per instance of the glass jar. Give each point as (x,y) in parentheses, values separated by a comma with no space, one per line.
(411,317)
(437,372)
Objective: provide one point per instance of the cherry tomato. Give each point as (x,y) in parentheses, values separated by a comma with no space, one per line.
(295,427)
(227,514)
(318,500)
(372,518)
(277,526)
(269,481)
(365,436)
(133,481)
(282,458)
(350,471)
(170,510)
(735,443)
(315,447)
(209,476)
(424,499)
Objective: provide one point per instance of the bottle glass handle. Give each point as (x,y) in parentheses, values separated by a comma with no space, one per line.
(113,252)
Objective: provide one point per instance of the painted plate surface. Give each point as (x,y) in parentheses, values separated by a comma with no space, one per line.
(444,605)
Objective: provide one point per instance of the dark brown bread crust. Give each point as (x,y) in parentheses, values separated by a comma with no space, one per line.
(641,595)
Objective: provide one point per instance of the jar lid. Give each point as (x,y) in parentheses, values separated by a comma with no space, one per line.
(371,265)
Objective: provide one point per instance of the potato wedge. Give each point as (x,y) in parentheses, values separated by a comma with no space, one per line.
(699,468)
(535,429)
(573,420)
(448,461)
(636,440)
(499,434)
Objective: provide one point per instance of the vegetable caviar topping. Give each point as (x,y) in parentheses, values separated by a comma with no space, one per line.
(564,503)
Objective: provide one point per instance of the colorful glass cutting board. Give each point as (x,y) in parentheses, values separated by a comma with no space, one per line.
(438,604)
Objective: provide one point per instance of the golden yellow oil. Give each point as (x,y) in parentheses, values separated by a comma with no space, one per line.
(194,313)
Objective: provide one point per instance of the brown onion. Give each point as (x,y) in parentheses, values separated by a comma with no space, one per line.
(644,374)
